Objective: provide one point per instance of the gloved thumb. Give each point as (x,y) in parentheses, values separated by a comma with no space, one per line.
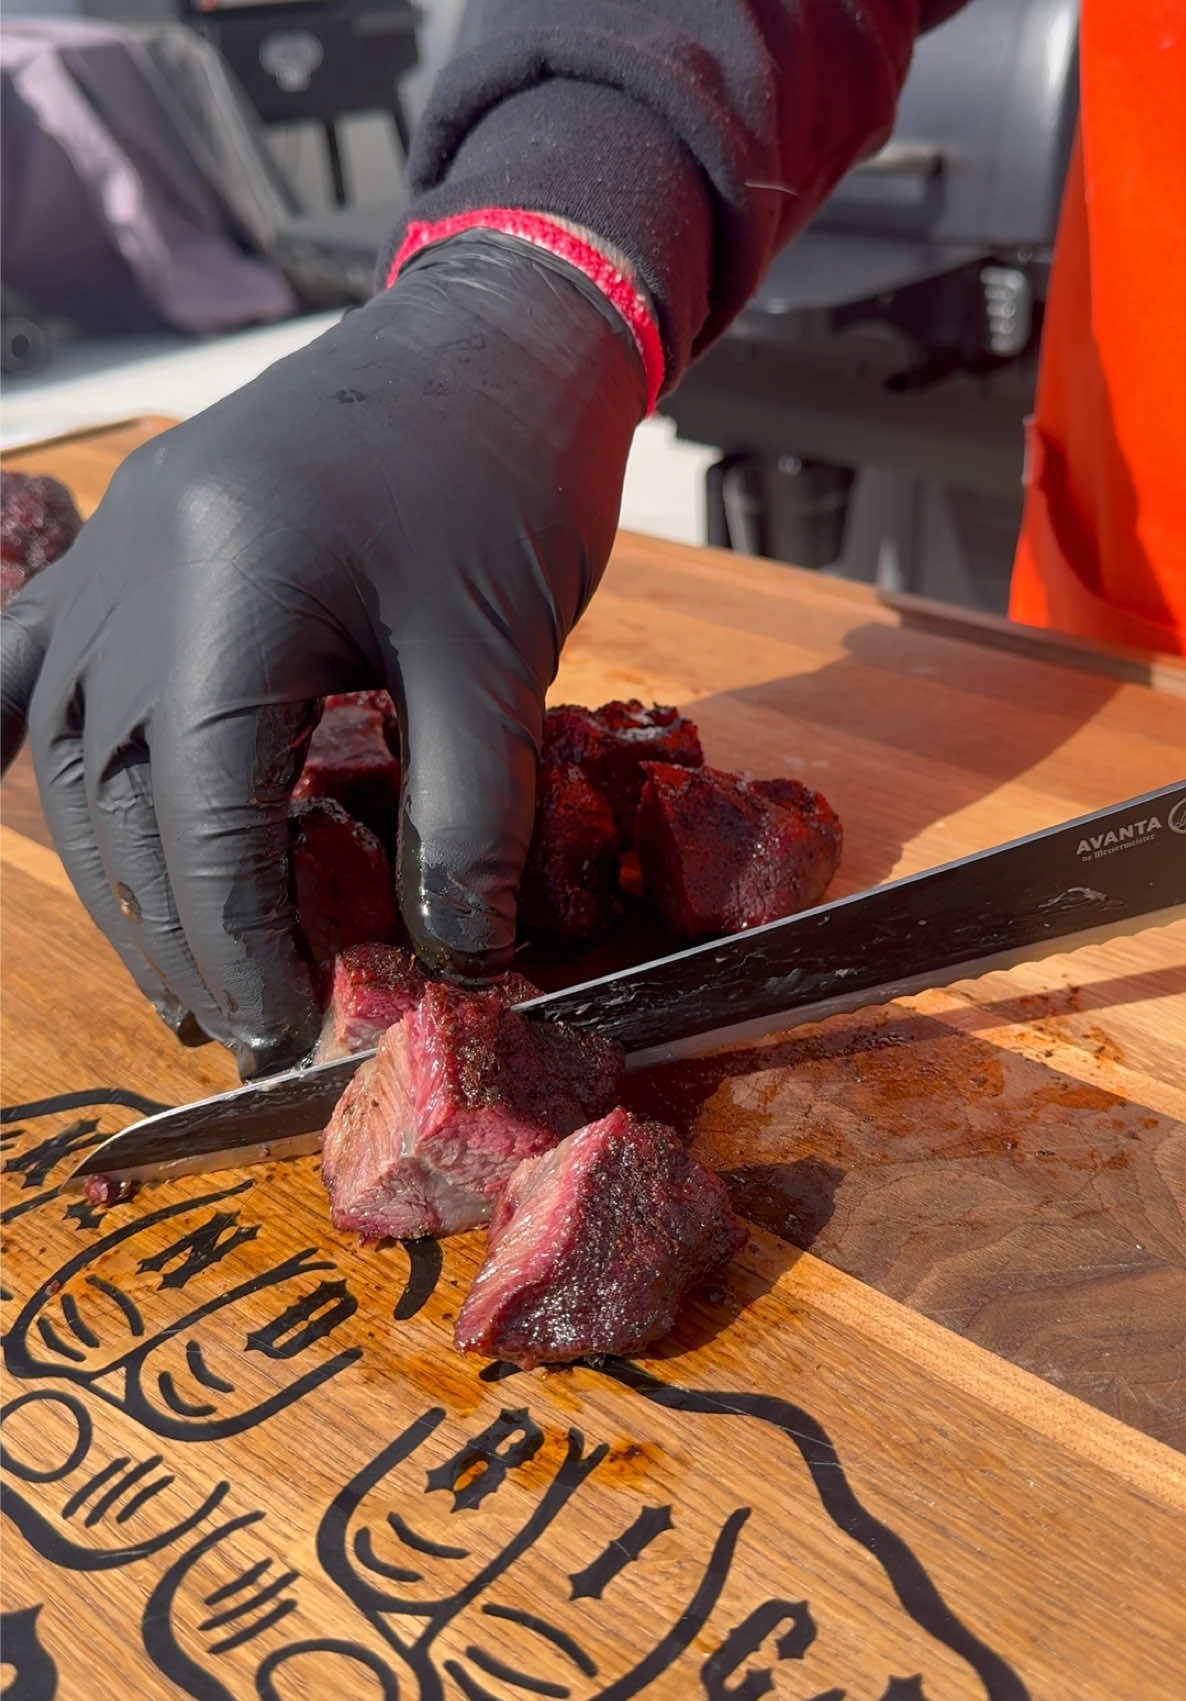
(22,650)
(471,724)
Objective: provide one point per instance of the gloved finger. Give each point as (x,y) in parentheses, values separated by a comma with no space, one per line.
(123,821)
(471,719)
(221,785)
(24,632)
(59,762)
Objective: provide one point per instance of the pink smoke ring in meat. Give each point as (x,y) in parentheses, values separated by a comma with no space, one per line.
(459,1092)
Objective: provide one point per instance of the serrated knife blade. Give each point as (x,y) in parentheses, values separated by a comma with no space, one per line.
(1112,872)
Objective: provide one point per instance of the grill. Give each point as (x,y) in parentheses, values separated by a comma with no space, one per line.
(869,403)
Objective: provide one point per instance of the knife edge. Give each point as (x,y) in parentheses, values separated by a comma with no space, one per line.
(1055,916)
(742,1033)
(138,1137)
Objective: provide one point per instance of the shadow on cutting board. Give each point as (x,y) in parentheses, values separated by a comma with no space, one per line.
(1032,1212)
(794,1201)
(904,731)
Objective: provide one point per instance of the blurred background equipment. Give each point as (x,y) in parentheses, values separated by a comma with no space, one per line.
(155,176)
(25,342)
(865,414)
(137,195)
(298,60)
(870,401)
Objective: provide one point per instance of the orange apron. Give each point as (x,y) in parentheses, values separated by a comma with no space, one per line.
(1103,541)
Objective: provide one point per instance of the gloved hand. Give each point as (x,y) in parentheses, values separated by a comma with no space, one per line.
(423,499)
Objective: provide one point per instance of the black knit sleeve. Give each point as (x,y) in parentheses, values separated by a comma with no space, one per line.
(695,136)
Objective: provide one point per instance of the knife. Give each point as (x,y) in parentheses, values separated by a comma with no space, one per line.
(1113,872)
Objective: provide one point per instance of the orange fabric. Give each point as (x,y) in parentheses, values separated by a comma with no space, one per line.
(1103,542)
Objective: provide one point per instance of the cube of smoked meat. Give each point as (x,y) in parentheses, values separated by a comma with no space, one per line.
(350,760)
(379,700)
(719,853)
(611,744)
(430,1129)
(594,1244)
(38,521)
(375,986)
(570,883)
(341,880)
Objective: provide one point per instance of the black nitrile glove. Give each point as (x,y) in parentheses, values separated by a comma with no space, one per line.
(423,499)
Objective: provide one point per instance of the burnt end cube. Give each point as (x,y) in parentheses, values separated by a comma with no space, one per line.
(38,521)
(612,743)
(570,883)
(341,880)
(460,1091)
(594,1245)
(350,760)
(373,987)
(719,853)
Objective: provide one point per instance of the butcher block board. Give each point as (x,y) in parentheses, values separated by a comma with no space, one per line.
(1007,1156)
(240,1458)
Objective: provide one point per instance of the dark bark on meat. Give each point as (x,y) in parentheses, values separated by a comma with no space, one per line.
(611,744)
(719,853)
(570,883)
(341,881)
(594,1245)
(350,760)
(461,1090)
(375,986)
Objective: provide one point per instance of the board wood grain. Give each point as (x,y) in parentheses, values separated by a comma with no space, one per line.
(240,1458)
(975,1175)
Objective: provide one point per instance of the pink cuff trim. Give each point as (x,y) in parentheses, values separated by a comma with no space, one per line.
(544,232)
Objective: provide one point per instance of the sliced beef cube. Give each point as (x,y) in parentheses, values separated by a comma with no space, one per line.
(594,1245)
(611,744)
(570,883)
(350,760)
(375,986)
(459,1092)
(341,880)
(719,853)
(38,521)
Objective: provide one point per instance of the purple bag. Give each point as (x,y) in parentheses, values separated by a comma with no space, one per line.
(136,192)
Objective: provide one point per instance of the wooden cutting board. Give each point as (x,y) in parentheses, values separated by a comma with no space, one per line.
(240,1458)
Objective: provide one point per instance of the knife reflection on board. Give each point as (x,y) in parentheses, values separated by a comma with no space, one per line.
(1113,872)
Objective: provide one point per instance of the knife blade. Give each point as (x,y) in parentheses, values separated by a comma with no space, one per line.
(1111,872)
